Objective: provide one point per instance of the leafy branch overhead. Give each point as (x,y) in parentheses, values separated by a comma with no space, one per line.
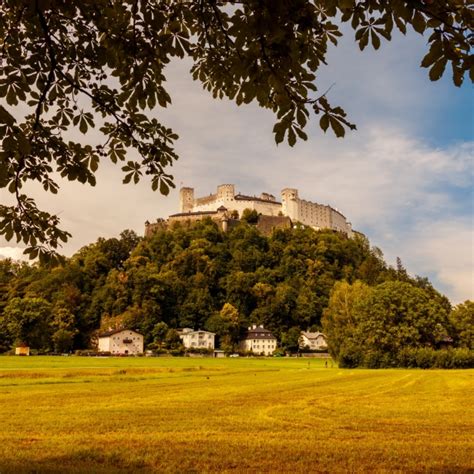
(69,66)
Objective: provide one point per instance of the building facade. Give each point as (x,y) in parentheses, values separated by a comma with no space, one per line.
(313,341)
(121,341)
(197,339)
(259,340)
(318,216)
(225,196)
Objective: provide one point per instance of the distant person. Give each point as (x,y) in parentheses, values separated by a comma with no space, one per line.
(326,364)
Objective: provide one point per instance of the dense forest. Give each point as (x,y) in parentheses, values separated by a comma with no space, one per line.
(199,277)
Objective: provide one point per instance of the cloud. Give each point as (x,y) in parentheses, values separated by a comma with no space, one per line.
(15,253)
(444,249)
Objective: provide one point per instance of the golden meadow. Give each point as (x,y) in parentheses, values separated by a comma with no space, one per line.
(79,414)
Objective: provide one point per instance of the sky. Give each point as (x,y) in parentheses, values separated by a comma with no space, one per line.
(404,178)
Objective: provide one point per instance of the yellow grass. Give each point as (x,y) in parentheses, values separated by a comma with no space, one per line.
(230,415)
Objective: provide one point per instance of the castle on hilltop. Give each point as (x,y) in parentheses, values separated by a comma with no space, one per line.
(226,206)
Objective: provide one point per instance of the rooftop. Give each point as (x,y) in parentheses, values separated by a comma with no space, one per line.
(111,332)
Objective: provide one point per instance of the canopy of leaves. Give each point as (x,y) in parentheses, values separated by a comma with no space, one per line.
(462,318)
(372,326)
(82,65)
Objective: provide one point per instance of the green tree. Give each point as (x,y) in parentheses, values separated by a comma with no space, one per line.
(64,325)
(398,314)
(250,216)
(27,320)
(57,57)
(159,333)
(290,340)
(63,340)
(172,340)
(340,318)
(226,324)
(372,326)
(462,319)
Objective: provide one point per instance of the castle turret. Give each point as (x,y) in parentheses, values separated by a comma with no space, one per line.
(350,233)
(225,192)
(186,199)
(289,203)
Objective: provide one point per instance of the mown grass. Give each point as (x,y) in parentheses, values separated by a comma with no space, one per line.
(71,414)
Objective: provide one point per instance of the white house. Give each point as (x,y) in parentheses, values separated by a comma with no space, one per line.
(313,340)
(196,339)
(121,341)
(259,340)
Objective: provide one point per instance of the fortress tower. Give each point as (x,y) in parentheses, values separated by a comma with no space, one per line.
(225,192)
(186,199)
(289,203)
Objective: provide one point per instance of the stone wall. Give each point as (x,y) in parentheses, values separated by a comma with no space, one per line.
(267,224)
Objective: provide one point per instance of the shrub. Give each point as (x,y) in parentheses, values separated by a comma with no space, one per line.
(427,358)
(407,357)
(200,350)
(373,360)
(350,357)
(176,352)
(444,359)
(85,353)
(463,358)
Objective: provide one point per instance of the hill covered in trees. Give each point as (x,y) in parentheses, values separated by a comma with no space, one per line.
(197,276)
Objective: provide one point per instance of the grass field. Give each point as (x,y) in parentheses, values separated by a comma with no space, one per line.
(72,414)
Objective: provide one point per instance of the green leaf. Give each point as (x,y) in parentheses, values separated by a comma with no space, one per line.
(400,24)
(438,68)
(418,22)
(324,122)
(457,75)
(11,97)
(435,52)
(5,117)
(301,134)
(375,40)
(343,4)
(164,188)
(279,131)
(364,40)
(337,127)
(291,136)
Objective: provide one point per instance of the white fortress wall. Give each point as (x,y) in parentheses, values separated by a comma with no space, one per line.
(338,221)
(239,205)
(210,206)
(314,215)
(269,208)
(226,197)
(318,216)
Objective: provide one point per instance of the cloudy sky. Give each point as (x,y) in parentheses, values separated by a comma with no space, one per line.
(404,178)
